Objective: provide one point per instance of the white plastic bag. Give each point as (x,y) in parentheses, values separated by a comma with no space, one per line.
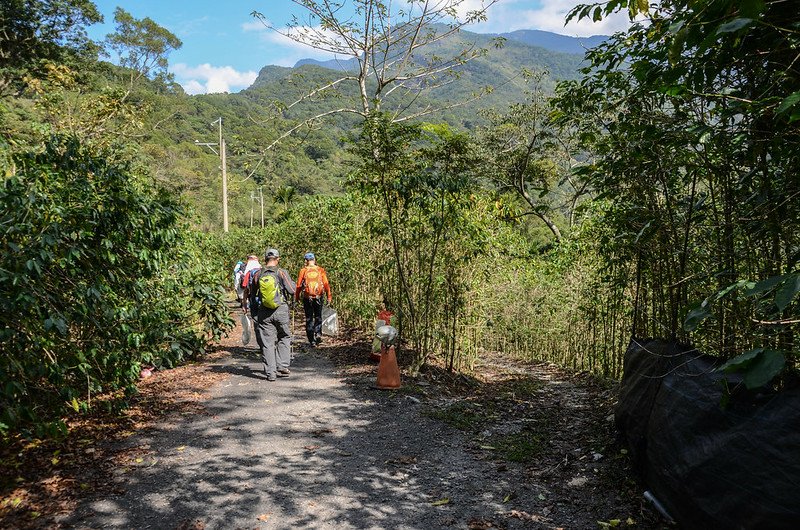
(330,321)
(247,329)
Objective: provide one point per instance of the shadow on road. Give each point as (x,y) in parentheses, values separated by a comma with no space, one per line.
(302,452)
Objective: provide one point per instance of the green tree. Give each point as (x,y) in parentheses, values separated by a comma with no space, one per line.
(99,109)
(523,154)
(694,118)
(388,49)
(423,183)
(90,285)
(142,45)
(35,33)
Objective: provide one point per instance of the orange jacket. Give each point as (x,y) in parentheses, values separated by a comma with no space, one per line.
(301,282)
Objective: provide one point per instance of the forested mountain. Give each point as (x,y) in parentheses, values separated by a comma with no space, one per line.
(553,41)
(500,69)
(312,160)
(550,41)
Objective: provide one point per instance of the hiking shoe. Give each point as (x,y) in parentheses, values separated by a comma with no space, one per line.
(283,372)
(271,377)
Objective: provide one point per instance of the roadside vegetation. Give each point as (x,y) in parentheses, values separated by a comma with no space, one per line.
(655,195)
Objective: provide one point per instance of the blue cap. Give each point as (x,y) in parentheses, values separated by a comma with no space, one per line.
(272,253)
(309,255)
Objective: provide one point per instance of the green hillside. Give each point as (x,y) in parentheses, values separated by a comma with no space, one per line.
(500,69)
(311,161)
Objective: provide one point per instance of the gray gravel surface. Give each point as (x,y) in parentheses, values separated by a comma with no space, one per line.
(308,451)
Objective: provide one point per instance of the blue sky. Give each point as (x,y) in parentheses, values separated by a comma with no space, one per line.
(224,47)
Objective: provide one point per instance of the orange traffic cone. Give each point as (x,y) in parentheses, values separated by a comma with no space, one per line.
(388,371)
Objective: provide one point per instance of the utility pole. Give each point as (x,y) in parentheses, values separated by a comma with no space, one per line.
(223,161)
(222,152)
(257,196)
(261,200)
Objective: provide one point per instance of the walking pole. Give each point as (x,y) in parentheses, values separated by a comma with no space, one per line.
(291,327)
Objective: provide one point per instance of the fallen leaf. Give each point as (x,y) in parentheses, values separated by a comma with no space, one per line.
(488,447)
(441,502)
(139,460)
(264,516)
(310,447)
(508,498)
(181,448)
(403,460)
(321,432)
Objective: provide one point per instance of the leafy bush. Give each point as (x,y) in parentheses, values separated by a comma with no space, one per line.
(96,279)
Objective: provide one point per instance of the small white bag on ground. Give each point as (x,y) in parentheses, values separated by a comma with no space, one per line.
(330,321)
(247,329)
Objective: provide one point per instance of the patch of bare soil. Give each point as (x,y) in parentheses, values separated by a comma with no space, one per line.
(552,429)
(44,479)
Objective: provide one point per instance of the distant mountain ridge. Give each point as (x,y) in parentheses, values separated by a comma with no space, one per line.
(332,64)
(554,42)
(500,74)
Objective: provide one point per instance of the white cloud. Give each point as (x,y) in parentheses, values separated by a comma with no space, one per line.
(255,25)
(547,15)
(469,6)
(191,27)
(207,79)
(194,87)
(286,51)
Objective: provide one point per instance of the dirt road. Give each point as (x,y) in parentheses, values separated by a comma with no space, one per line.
(322,449)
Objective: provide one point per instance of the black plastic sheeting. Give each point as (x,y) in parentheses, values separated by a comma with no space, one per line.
(710,466)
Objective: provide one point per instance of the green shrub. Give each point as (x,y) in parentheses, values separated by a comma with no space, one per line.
(96,279)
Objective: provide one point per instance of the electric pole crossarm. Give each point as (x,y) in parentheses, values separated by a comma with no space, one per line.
(222,155)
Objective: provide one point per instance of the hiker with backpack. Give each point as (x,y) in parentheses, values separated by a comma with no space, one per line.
(270,291)
(251,265)
(238,274)
(313,288)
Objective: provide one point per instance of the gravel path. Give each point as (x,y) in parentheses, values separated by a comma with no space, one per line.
(307,451)
(324,449)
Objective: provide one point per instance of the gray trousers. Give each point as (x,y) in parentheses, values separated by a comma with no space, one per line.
(272,328)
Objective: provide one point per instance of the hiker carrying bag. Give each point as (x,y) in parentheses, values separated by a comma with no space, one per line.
(254,297)
(312,282)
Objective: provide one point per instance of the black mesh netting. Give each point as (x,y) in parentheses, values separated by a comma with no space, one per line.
(736,466)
